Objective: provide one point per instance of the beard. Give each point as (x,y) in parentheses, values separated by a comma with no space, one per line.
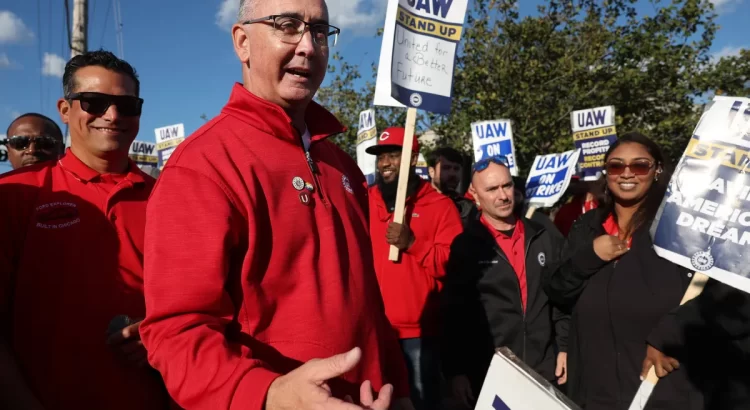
(388,190)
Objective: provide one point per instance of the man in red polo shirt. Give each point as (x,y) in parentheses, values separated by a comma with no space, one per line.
(260,286)
(410,286)
(71,254)
(493,293)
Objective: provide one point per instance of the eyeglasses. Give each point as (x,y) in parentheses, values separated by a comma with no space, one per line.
(290,30)
(98,103)
(481,165)
(638,167)
(41,143)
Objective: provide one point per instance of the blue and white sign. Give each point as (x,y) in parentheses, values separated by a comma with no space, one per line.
(593,132)
(511,384)
(549,178)
(704,219)
(493,138)
(366,134)
(423,53)
(167,140)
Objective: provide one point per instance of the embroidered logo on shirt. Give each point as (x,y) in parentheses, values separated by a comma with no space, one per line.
(57,215)
(346,184)
(542,258)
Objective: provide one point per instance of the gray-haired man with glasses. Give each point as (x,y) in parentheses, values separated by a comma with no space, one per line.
(260,285)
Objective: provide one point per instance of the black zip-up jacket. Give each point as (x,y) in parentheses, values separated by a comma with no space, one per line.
(615,306)
(482,306)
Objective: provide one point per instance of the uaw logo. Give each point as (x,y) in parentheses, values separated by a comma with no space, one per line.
(346,184)
(702,261)
(384,136)
(542,258)
(57,215)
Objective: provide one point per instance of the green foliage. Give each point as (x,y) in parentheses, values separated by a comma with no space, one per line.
(655,69)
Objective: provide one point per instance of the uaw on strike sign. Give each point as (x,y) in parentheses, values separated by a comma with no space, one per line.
(704,219)
(425,40)
(549,178)
(494,138)
(593,132)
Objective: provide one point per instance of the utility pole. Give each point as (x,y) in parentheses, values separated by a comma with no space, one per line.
(79,39)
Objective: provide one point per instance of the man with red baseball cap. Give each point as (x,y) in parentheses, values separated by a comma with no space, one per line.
(410,285)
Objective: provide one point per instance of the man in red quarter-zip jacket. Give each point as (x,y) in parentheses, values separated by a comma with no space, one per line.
(260,288)
(410,286)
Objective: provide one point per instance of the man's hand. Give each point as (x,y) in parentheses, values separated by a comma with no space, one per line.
(462,391)
(306,387)
(127,342)
(662,363)
(608,247)
(561,370)
(399,236)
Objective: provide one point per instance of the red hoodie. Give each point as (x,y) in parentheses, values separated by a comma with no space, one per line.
(248,273)
(410,286)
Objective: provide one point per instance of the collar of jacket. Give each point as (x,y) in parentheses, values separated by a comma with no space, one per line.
(384,214)
(83,173)
(272,119)
(476,228)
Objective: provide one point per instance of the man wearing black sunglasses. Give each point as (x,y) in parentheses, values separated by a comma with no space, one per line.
(85,213)
(262,264)
(33,138)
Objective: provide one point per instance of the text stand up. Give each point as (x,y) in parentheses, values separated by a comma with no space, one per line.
(403,175)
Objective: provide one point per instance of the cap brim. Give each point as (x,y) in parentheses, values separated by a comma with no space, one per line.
(379,149)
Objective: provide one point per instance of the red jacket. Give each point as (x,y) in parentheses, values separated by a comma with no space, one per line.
(410,287)
(71,259)
(248,274)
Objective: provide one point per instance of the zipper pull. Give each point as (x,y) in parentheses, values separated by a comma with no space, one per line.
(311,163)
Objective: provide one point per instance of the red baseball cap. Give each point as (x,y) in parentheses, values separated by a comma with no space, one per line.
(390,138)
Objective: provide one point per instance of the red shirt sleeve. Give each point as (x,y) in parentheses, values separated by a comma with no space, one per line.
(433,254)
(191,229)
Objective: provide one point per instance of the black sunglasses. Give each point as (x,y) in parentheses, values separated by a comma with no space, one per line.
(481,165)
(41,143)
(98,103)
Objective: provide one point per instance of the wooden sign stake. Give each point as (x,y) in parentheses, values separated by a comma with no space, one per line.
(403,175)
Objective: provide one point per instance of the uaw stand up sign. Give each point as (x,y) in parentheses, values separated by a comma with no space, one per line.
(704,220)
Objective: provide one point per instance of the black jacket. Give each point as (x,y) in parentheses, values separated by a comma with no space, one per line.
(466,208)
(482,304)
(722,313)
(615,305)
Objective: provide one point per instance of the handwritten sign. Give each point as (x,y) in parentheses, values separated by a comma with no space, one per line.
(493,138)
(167,139)
(366,134)
(549,177)
(593,132)
(423,52)
(704,219)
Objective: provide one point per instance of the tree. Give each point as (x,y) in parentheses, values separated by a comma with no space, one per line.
(654,68)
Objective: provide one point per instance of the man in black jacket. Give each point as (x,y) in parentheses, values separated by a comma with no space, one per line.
(493,295)
(444,165)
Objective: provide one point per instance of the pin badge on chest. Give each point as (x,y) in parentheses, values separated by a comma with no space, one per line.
(310,187)
(298,183)
(305,198)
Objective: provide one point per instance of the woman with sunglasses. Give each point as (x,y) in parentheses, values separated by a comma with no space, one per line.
(618,289)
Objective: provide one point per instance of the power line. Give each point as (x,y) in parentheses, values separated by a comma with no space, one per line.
(104,29)
(39,48)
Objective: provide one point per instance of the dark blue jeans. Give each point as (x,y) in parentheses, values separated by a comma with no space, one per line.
(422,357)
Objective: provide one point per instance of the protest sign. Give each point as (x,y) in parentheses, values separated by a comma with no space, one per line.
(143,153)
(704,219)
(549,177)
(365,139)
(593,132)
(422,49)
(511,384)
(167,139)
(493,138)
(421,168)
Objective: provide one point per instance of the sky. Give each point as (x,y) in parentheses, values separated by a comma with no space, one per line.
(183,53)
